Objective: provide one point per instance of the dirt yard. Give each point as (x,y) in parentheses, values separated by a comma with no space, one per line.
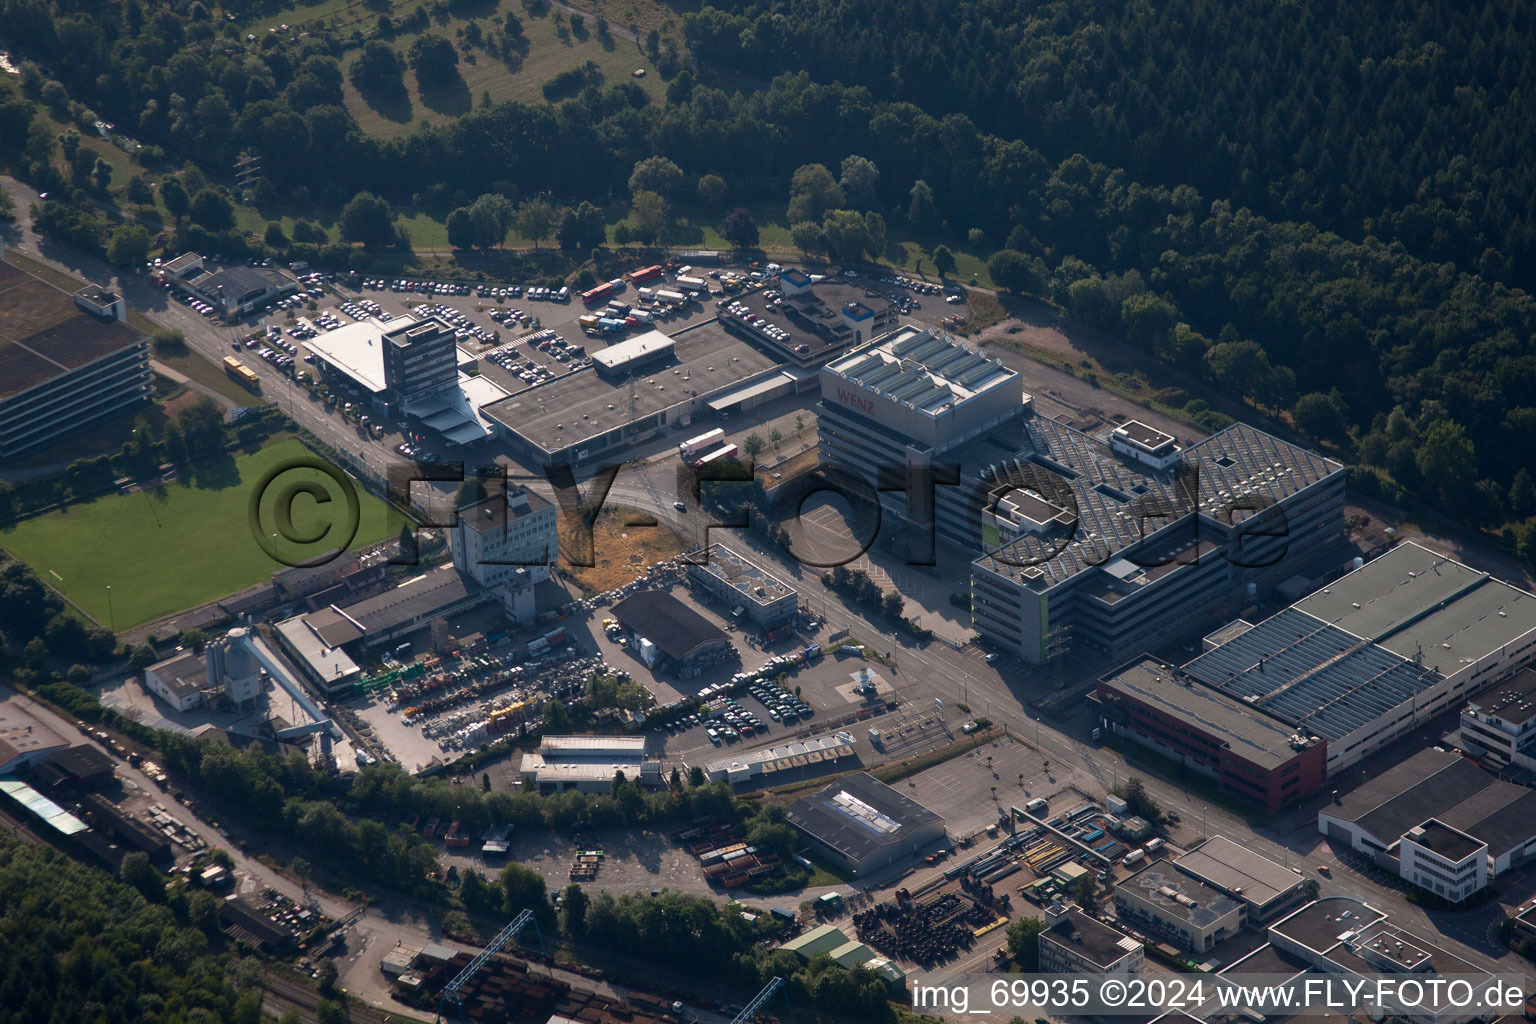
(620,552)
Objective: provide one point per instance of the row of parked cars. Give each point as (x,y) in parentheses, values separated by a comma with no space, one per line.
(464,328)
(362,309)
(196,304)
(912,285)
(782,705)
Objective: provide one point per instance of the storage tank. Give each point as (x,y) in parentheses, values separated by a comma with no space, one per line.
(231,665)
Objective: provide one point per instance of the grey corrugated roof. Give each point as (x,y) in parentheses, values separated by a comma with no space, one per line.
(1312,674)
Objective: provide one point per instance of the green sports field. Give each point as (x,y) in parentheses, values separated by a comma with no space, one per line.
(167,550)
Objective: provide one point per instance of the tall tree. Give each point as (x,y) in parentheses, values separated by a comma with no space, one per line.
(366,219)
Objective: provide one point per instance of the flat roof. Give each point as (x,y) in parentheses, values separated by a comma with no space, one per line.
(1228,866)
(416,596)
(630,350)
(1417,602)
(924,370)
(1091,938)
(677,630)
(1247,731)
(582,406)
(1178,895)
(1118,501)
(237,281)
(44,334)
(1445,841)
(329,663)
(1318,925)
(184,672)
(23,734)
(357,350)
(592,746)
(744,576)
(781,756)
(1512,701)
(520,503)
(858,815)
(1143,435)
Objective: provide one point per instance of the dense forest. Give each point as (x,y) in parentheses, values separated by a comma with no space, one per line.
(1411,122)
(1324,211)
(81,946)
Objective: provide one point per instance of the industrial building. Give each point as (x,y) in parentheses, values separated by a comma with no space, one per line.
(24,738)
(1339,935)
(587,417)
(1499,726)
(1090,544)
(676,636)
(318,643)
(1374,654)
(1263,887)
(233,291)
(805,756)
(509,541)
(1272,710)
(66,361)
(413,368)
(226,670)
(831,941)
(1249,753)
(1163,902)
(890,411)
(1436,820)
(862,825)
(588,764)
(178,680)
(328,642)
(758,597)
(1074,943)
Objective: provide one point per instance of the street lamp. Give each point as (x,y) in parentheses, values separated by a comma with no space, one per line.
(111,618)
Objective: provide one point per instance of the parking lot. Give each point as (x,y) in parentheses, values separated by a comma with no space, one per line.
(971,791)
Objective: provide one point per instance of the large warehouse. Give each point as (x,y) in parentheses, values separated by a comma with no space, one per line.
(1377,652)
(1263,887)
(65,361)
(1099,548)
(1437,820)
(1250,754)
(862,825)
(650,389)
(1272,710)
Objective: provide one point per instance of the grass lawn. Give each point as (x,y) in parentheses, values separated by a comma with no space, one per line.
(549,49)
(164,551)
(197,368)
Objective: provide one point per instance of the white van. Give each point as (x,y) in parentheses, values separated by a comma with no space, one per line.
(1036,806)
